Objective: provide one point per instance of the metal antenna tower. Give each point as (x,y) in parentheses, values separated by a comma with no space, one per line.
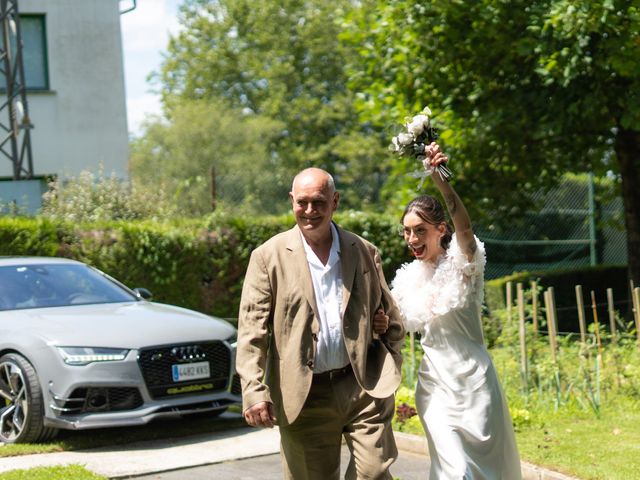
(15,138)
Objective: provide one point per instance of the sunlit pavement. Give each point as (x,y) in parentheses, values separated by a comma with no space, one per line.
(409,466)
(236,454)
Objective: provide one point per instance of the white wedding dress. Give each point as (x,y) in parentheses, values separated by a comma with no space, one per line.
(458,394)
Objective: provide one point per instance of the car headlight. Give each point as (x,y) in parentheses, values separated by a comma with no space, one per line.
(87,355)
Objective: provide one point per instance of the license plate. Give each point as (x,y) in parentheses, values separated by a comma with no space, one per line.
(190,371)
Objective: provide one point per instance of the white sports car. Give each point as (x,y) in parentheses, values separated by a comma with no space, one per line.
(79,350)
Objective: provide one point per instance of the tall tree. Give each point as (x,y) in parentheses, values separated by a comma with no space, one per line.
(282,60)
(528,90)
(178,156)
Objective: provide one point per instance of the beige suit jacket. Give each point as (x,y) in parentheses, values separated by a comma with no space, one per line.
(278,323)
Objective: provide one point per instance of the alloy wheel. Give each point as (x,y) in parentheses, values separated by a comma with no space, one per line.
(13,390)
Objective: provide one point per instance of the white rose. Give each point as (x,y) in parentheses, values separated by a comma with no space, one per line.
(395,146)
(405,139)
(418,124)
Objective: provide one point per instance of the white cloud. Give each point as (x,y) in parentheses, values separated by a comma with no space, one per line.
(145,36)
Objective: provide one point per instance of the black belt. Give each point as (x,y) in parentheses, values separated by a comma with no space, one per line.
(332,374)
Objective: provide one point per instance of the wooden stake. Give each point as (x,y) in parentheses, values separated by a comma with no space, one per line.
(580,304)
(548,304)
(509,300)
(612,316)
(412,356)
(534,308)
(524,367)
(213,193)
(594,307)
(636,306)
(633,300)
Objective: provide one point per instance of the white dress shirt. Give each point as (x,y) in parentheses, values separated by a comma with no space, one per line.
(327,286)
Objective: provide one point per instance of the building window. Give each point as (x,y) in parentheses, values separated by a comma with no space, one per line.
(34,53)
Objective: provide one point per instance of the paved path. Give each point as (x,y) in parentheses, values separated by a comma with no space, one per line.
(237,454)
(409,466)
(242,454)
(156,456)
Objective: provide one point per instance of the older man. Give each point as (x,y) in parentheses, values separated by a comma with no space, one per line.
(308,355)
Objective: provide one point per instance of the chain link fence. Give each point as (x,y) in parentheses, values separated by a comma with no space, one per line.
(578,223)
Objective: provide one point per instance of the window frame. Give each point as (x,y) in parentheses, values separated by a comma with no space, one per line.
(45,52)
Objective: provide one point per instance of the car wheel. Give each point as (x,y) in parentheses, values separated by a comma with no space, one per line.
(21,403)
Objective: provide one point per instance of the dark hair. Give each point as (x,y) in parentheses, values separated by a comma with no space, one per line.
(430,210)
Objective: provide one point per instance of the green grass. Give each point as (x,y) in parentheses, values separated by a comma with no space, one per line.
(577,417)
(580,444)
(162,428)
(70,472)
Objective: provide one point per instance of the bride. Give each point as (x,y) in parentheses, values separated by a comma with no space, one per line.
(458,394)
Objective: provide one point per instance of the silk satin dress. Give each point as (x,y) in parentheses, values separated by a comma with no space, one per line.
(458,394)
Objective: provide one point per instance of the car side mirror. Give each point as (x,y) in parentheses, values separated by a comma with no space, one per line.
(143,293)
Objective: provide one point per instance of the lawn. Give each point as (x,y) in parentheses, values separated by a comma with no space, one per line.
(589,448)
(579,415)
(71,472)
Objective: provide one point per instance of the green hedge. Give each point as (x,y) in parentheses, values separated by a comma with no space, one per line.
(597,278)
(201,265)
(198,265)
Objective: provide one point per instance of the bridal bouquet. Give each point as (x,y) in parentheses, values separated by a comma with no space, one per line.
(412,143)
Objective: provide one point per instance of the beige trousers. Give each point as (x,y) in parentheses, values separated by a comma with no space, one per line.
(338,406)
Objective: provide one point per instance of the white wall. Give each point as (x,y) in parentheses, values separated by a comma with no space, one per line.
(81,121)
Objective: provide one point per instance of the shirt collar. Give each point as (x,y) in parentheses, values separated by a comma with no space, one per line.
(334,253)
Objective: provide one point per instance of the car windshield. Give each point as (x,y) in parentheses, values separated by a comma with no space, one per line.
(56,285)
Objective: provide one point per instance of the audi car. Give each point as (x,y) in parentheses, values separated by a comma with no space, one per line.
(79,350)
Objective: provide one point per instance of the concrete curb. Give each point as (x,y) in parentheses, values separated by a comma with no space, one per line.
(418,445)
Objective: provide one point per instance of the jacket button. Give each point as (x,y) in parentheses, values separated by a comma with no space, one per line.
(314,336)
(310,364)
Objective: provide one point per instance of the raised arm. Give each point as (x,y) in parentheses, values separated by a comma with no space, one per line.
(457,211)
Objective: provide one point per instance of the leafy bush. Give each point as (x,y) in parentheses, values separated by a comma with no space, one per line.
(406,418)
(91,197)
(192,263)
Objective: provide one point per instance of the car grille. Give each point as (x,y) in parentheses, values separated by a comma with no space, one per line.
(100,399)
(236,388)
(156,364)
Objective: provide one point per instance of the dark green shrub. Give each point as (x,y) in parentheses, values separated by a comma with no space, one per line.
(194,264)
(201,264)
(25,236)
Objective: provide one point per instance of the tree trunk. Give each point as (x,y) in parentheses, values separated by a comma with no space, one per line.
(627,149)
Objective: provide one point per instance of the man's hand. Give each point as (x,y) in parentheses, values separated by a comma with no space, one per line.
(380,322)
(260,415)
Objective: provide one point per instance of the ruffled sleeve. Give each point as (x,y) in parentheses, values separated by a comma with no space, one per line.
(408,288)
(424,292)
(460,261)
(458,279)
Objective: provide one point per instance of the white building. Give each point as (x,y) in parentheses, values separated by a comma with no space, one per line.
(74,74)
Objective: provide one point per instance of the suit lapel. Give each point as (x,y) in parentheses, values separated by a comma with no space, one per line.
(348,257)
(300,266)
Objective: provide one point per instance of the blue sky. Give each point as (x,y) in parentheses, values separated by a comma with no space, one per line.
(145,34)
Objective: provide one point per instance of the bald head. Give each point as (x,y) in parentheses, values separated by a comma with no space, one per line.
(315,176)
(314,199)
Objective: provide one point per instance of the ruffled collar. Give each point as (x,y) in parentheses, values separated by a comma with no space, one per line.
(426,290)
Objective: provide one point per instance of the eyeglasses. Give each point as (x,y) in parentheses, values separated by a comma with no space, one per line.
(407,231)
